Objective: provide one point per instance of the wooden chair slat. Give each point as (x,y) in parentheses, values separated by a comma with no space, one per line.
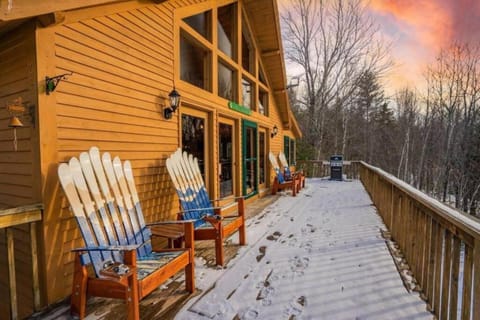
(100,203)
(138,236)
(95,159)
(120,205)
(91,214)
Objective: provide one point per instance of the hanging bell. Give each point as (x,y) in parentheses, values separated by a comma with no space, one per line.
(15,122)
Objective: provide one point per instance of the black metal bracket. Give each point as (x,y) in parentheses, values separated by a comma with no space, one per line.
(168,113)
(51,83)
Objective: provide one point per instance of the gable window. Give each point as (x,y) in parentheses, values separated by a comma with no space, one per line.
(261,75)
(248,57)
(195,62)
(247,93)
(226,30)
(201,23)
(226,82)
(263,102)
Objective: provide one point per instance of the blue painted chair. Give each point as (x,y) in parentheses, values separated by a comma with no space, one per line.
(280,182)
(117,239)
(288,174)
(210,221)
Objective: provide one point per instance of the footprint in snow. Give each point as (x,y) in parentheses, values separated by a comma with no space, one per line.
(262,250)
(299,264)
(295,307)
(274,236)
(248,314)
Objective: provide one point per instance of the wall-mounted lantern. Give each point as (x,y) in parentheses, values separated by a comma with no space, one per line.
(174,98)
(274,131)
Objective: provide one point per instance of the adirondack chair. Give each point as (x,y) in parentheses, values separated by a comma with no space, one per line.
(279,182)
(117,240)
(288,175)
(210,222)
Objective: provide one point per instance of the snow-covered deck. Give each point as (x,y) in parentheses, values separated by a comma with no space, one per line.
(319,255)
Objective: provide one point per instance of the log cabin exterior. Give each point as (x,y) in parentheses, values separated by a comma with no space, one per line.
(224,57)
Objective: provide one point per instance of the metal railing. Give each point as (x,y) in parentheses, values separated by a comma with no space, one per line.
(9,219)
(440,244)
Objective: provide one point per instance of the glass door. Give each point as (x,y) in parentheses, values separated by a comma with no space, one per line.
(250,158)
(225,157)
(193,139)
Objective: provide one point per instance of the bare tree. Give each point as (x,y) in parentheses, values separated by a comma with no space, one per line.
(333,42)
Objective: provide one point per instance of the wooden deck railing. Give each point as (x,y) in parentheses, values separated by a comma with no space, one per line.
(10,218)
(440,244)
(321,168)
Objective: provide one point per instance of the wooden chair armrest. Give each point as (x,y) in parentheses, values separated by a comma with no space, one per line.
(109,248)
(156,223)
(118,271)
(228,198)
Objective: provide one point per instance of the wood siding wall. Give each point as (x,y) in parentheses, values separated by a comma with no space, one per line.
(123,68)
(18,169)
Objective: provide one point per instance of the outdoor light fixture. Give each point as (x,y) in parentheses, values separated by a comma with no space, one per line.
(274,131)
(174,97)
(52,83)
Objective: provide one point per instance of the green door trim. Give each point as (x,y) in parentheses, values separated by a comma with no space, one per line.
(249,124)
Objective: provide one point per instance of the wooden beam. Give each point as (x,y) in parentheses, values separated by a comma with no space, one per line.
(18,9)
(20,218)
(270,53)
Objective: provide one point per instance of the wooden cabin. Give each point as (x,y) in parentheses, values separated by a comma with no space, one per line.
(99,72)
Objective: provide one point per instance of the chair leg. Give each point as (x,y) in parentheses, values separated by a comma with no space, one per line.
(78,301)
(219,247)
(241,213)
(190,268)
(131,298)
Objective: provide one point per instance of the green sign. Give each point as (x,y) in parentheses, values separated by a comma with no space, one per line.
(238,107)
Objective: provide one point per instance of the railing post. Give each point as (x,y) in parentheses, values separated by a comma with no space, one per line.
(11,274)
(476,281)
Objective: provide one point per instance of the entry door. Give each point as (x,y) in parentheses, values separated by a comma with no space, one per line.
(226,156)
(250,158)
(194,131)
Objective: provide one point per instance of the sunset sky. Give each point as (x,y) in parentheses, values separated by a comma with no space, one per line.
(418,29)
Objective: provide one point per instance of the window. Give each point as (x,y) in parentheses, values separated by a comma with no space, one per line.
(247,93)
(263,102)
(226,30)
(293,153)
(286,148)
(248,58)
(195,62)
(201,23)
(227,82)
(262,164)
(289,150)
(261,75)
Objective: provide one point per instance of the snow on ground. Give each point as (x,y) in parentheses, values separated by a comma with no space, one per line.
(319,255)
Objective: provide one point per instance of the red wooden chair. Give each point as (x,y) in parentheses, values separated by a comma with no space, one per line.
(117,240)
(279,182)
(289,174)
